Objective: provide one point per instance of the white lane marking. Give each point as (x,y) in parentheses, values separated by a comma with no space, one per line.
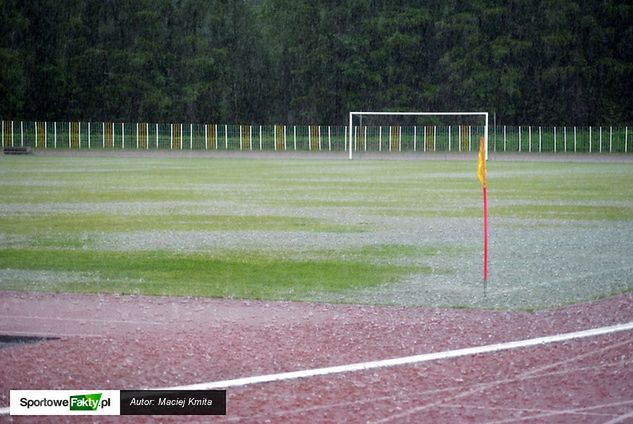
(407,360)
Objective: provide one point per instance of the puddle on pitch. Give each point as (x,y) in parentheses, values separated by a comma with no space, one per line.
(12,341)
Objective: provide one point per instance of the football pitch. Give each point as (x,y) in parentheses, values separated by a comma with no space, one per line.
(386,232)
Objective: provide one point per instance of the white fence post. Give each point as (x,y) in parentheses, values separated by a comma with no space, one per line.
(600,139)
(530,138)
(415,138)
(329,139)
(449,138)
(424,139)
(365,139)
(590,139)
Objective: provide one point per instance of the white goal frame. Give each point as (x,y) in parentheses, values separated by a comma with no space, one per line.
(351,127)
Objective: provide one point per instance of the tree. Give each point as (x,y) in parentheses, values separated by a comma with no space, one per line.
(265,61)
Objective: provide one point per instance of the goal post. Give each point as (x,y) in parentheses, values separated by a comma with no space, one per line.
(351,134)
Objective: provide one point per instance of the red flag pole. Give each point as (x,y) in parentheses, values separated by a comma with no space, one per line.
(485,235)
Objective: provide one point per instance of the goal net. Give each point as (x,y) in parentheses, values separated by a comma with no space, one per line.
(416,132)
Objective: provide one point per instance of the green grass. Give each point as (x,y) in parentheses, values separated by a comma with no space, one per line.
(64,216)
(233,274)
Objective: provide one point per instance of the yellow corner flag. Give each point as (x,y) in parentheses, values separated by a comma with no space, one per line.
(481,175)
(481,163)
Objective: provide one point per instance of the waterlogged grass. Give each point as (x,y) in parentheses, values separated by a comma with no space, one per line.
(390,252)
(228,274)
(60,215)
(383,188)
(543,212)
(560,191)
(570,182)
(566,212)
(99,192)
(87,222)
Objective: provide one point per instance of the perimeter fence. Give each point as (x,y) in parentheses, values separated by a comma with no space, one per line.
(178,136)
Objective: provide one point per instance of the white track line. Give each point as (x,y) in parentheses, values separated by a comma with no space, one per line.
(621,418)
(541,413)
(538,372)
(573,411)
(407,360)
(413,394)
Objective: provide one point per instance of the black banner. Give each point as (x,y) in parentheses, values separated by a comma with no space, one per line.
(173,402)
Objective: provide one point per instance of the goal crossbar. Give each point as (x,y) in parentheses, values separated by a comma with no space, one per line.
(482,114)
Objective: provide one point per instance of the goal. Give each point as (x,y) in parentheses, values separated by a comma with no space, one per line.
(416,131)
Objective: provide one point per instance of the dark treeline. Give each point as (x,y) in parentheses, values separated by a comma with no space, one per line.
(544,62)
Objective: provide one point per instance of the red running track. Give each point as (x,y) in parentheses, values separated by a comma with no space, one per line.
(136,342)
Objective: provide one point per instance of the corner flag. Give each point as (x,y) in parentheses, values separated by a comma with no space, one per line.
(481,163)
(481,175)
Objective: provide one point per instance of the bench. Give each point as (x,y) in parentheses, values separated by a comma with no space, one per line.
(17,150)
